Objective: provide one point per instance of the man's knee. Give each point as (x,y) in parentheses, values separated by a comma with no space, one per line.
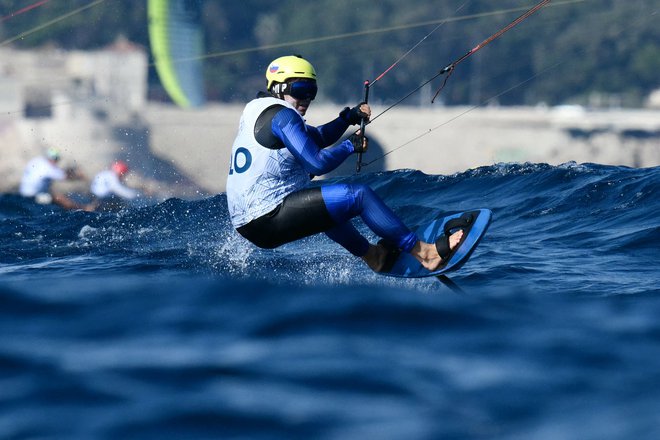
(360,193)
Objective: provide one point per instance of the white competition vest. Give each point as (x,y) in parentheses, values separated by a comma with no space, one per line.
(107,183)
(259,178)
(38,175)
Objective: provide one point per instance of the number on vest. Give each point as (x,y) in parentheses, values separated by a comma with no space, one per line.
(240,161)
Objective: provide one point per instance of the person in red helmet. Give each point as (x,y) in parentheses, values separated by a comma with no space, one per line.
(109,189)
(120,168)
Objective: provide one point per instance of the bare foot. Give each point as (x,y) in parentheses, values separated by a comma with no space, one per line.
(375,257)
(427,254)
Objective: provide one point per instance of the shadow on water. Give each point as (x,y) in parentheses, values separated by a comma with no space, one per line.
(151,165)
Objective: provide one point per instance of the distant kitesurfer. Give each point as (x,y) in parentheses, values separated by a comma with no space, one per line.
(275,155)
(109,189)
(39,175)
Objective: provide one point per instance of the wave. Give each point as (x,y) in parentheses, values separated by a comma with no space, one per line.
(546,220)
(162,322)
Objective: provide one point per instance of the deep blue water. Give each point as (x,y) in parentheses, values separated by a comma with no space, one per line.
(160,322)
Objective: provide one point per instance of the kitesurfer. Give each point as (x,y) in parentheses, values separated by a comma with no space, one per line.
(275,155)
(39,175)
(109,189)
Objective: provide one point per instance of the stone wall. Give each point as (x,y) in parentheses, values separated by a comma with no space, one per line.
(185,153)
(435,141)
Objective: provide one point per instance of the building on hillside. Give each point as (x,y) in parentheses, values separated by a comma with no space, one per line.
(88,104)
(72,100)
(112,80)
(653,101)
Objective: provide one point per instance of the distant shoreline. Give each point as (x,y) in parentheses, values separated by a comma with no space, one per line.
(442,140)
(185,153)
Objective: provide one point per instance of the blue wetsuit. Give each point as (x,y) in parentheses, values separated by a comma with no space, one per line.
(328,208)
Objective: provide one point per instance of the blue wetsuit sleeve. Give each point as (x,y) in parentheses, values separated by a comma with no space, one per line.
(329,133)
(290,128)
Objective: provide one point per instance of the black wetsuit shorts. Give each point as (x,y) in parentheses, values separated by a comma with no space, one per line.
(301,214)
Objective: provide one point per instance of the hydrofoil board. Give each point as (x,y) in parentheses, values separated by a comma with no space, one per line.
(474,224)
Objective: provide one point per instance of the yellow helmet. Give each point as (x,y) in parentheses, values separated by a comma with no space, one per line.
(290,66)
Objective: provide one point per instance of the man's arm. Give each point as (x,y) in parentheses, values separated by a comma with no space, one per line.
(290,128)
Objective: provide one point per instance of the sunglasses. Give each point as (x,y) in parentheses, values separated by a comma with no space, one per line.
(302,90)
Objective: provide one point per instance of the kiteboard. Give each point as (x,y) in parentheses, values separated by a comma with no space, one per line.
(474,224)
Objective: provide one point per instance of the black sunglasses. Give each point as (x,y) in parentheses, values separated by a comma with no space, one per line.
(302,90)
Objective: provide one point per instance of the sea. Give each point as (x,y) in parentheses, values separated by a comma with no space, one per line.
(161,322)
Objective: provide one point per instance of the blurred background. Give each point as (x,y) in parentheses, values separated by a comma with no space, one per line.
(161,84)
